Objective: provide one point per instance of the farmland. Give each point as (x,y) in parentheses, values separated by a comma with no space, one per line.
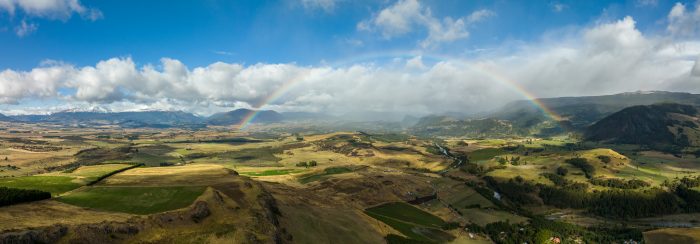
(390,187)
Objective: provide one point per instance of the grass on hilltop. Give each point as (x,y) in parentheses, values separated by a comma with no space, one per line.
(135,200)
(53,184)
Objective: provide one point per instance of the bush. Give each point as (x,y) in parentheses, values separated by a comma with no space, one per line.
(605,159)
(302,164)
(562,171)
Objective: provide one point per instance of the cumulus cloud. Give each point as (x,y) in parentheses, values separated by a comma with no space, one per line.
(684,22)
(51,9)
(405,16)
(610,57)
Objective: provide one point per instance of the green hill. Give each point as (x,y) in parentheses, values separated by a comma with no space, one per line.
(659,126)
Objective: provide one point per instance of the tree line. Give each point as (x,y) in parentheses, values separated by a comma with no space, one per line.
(9,196)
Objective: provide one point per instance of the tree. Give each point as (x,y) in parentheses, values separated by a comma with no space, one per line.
(302,164)
(313,163)
(562,171)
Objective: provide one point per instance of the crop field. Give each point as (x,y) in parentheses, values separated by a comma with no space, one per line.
(680,236)
(188,175)
(53,184)
(410,221)
(90,173)
(485,154)
(135,200)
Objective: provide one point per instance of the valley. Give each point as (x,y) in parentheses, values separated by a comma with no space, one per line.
(275,183)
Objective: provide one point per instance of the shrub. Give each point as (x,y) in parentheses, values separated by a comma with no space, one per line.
(562,171)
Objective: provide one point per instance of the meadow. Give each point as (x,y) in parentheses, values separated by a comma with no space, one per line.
(134,200)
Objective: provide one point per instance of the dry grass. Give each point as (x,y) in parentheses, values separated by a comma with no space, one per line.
(188,175)
(48,212)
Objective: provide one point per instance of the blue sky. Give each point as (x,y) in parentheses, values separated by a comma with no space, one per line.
(202,32)
(311,36)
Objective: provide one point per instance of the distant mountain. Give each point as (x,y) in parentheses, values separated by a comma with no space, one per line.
(5,118)
(658,126)
(158,119)
(581,112)
(238,115)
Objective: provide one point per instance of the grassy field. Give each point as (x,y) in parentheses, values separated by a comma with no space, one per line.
(485,154)
(187,175)
(410,221)
(53,184)
(326,172)
(87,174)
(680,236)
(135,200)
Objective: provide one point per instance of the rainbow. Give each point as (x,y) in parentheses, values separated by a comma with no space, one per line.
(482,69)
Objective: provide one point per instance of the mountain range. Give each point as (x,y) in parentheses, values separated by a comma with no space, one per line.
(159,119)
(597,117)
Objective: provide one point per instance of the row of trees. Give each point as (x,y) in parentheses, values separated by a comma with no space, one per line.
(584,165)
(9,196)
(616,203)
(619,183)
(311,163)
(540,230)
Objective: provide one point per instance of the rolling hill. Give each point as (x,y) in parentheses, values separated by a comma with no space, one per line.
(660,126)
(582,112)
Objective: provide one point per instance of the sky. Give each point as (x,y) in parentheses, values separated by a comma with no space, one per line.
(338,56)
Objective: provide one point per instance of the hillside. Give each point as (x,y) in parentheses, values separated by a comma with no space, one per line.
(655,125)
(238,115)
(5,118)
(586,110)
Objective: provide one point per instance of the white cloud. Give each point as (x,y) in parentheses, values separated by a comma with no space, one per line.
(480,15)
(405,16)
(684,22)
(415,63)
(609,57)
(25,28)
(51,9)
(558,7)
